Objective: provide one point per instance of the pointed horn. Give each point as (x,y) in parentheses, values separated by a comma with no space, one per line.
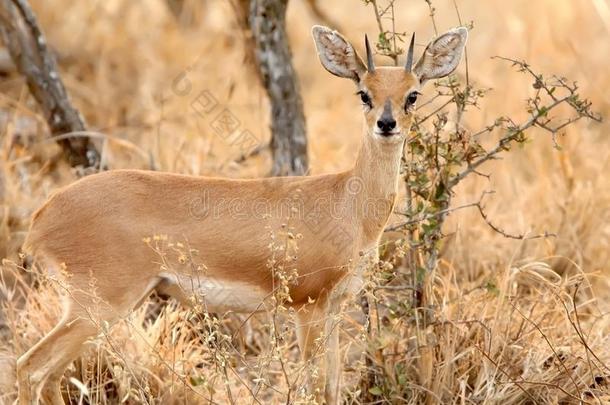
(409,64)
(370,64)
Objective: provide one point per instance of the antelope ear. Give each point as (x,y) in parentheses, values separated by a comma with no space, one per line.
(336,54)
(442,55)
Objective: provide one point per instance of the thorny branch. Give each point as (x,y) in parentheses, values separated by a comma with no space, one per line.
(539,115)
(481,208)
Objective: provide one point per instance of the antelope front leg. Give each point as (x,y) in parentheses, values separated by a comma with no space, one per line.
(332,388)
(318,335)
(310,327)
(345,290)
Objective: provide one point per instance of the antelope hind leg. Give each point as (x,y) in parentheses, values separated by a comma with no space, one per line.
(49,355)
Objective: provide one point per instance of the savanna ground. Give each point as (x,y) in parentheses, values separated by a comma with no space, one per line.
(514,321)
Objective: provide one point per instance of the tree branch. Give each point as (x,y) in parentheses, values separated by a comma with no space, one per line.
(513,135)
(28,49)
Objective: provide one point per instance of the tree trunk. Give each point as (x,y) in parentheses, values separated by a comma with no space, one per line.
(288,137)
(28,49)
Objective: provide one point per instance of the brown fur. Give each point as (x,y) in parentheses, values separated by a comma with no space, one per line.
(389,83)
(97,225)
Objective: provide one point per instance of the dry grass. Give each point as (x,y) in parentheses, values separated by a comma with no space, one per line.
(513,322)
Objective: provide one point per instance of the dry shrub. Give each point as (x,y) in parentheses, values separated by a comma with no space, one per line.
(523,334)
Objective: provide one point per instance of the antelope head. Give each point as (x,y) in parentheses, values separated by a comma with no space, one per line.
(389,93)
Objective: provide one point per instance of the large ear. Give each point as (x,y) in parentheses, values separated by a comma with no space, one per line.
(336,54)
(442,55)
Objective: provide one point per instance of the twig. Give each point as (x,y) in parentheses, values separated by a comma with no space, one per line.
(459,17)
(513,135)
(432,14)
(400,225)
(388,49)
(502,232)
(578,330)
(378,17)
(517,383)
(548,342)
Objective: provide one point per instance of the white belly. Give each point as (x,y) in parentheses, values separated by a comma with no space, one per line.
(221,295)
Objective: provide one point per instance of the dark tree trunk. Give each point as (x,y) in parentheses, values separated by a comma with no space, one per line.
(288,137)
(28,49)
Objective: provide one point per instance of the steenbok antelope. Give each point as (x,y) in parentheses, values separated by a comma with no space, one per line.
(93,230)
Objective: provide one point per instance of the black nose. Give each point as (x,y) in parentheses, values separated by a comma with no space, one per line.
(386,124)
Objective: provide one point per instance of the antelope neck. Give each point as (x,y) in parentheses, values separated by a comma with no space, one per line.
(377,168)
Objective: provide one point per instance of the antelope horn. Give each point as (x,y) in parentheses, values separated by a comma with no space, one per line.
(369,55)
(409,64)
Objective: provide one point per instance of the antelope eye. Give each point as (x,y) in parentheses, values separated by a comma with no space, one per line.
(412,98)
(365,98)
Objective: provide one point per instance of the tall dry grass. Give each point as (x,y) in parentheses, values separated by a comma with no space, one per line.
(514,321)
